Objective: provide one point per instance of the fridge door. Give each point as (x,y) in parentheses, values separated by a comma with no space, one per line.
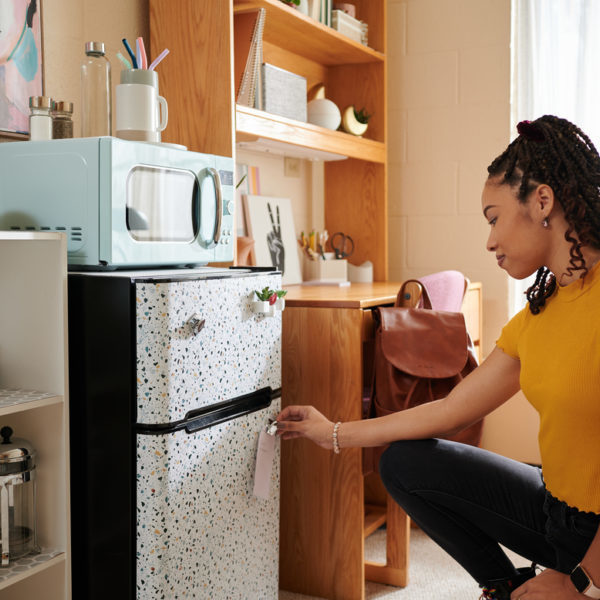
(200,531)
(199,342)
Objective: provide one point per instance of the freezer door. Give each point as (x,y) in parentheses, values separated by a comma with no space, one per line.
(199,342)
(200,532)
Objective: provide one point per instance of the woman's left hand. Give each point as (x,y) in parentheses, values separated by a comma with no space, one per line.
(548,585)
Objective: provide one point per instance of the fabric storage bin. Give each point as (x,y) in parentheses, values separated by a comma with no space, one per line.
(284,93)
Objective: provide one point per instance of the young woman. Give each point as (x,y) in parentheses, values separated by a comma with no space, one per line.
(542,202)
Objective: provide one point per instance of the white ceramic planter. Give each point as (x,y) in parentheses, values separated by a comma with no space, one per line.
(263,307)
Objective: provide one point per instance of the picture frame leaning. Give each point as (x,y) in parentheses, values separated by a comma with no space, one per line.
(270,222)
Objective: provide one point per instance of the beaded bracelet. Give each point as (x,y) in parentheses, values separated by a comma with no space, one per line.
(336,445)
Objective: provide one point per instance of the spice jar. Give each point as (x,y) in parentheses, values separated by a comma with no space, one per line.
(40,118)
(62,120)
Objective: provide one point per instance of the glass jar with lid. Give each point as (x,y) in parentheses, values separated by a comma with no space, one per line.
(40,118)
(17,498)
(62,120)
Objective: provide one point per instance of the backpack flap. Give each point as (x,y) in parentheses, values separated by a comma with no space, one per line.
(422,342)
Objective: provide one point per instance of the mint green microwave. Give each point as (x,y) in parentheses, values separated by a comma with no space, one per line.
(121,204)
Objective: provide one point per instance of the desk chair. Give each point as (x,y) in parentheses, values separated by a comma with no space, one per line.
(446,290)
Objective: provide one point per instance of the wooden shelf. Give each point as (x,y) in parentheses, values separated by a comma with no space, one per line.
(288,28)
(215,38)
(252,124)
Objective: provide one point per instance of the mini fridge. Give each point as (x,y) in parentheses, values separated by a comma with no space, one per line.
(173,376)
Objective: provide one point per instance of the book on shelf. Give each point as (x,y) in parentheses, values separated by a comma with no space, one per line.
(248,56)
(314,9)
(320,10)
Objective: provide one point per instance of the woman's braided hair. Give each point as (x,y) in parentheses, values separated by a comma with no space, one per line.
(555,152)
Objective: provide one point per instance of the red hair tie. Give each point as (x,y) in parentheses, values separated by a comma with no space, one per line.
(530,131)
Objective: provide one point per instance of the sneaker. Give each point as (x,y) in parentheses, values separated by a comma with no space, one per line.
(500,589)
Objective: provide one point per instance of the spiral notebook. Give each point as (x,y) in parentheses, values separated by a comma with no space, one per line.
(248,56)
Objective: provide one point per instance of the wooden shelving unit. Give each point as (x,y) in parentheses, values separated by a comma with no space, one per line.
(34,400)
(199,83)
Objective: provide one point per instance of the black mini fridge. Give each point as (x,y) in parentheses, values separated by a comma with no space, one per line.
(173,376)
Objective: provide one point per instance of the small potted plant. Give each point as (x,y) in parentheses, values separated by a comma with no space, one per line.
(355,121)
(301,5)
(268,301)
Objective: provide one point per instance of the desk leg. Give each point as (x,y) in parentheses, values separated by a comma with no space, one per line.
(395,571)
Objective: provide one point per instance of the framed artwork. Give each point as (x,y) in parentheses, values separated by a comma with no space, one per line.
(20,62)
(271,223)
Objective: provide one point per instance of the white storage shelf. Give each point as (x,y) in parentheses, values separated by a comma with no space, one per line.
(33,399)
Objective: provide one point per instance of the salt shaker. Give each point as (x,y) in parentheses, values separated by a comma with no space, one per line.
(40,118)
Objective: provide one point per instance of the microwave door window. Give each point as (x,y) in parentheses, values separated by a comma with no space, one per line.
(161,204)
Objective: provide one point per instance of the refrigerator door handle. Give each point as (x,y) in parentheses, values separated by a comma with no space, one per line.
(196,323)
(207,416)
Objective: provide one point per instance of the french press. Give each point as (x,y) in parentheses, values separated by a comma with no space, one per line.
(17,498)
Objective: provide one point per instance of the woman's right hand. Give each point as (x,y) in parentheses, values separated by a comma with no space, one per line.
(305,421)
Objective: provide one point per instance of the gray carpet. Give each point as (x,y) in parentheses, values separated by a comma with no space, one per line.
(433,575)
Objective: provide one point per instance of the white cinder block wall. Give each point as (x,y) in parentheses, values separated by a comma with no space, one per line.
(449,117)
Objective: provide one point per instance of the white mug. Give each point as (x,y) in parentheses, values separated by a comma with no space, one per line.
(141,113)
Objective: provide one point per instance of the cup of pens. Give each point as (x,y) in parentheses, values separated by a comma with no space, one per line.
(141,113)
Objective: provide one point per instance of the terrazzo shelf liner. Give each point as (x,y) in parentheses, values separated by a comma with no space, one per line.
(28,562)
(12,397)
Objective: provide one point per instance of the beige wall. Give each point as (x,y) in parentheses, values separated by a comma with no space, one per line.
(449,117)
(68,24)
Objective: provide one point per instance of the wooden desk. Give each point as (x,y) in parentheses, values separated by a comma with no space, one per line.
(326,335)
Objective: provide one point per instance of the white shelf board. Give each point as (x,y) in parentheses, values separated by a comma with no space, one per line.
(29,565)
(17,400)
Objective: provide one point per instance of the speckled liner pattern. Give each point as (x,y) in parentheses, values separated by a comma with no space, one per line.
(200,532)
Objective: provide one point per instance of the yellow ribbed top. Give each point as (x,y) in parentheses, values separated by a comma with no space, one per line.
(559,350)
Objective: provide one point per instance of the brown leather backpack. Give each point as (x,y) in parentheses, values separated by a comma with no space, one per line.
(420,355)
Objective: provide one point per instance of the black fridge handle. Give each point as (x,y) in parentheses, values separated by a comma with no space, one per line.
(208,416)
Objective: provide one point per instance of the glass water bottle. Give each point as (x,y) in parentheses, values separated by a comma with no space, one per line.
(95,92)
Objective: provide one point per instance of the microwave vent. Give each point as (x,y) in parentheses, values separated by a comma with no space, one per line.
(74,234)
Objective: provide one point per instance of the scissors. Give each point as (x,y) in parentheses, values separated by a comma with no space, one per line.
(342,244)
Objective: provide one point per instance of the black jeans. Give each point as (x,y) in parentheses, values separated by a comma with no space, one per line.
(469,501)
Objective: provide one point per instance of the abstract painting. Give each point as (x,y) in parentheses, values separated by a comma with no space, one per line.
(20,62)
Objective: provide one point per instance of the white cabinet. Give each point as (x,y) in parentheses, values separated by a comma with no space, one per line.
(34,399)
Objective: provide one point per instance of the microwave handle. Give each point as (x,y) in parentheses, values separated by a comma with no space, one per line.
(214,174)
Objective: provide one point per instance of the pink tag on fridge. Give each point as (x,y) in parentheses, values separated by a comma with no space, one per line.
(265,455)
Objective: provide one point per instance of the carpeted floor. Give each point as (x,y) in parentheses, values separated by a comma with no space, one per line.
(433,574)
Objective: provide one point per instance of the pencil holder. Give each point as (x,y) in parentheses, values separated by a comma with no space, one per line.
(141,112)
(335,270)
